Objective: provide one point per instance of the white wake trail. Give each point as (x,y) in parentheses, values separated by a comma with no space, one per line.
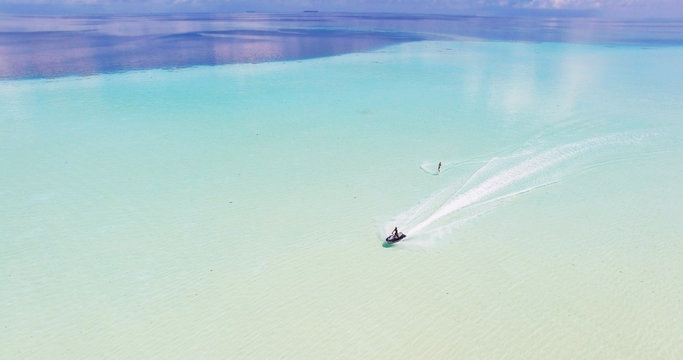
(491,183)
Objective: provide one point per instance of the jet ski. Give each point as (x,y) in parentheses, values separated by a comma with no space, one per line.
(395,237)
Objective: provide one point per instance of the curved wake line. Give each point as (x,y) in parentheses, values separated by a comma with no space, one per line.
(432,167)
(477,191)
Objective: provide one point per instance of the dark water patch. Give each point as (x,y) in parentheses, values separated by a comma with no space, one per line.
(53,54)
(53,46)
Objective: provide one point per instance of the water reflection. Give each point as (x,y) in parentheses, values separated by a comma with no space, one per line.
(50,46)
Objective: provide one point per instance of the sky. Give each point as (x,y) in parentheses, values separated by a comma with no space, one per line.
(609,8)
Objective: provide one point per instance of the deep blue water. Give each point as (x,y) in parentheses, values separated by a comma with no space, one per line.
(52,46)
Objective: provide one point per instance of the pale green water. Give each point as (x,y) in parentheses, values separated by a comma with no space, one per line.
(239,211)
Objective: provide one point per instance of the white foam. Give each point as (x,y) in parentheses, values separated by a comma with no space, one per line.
(499,179)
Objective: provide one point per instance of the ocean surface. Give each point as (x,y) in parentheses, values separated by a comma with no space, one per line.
(220,186)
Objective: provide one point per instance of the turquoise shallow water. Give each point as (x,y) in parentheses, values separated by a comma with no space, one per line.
(239,211)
